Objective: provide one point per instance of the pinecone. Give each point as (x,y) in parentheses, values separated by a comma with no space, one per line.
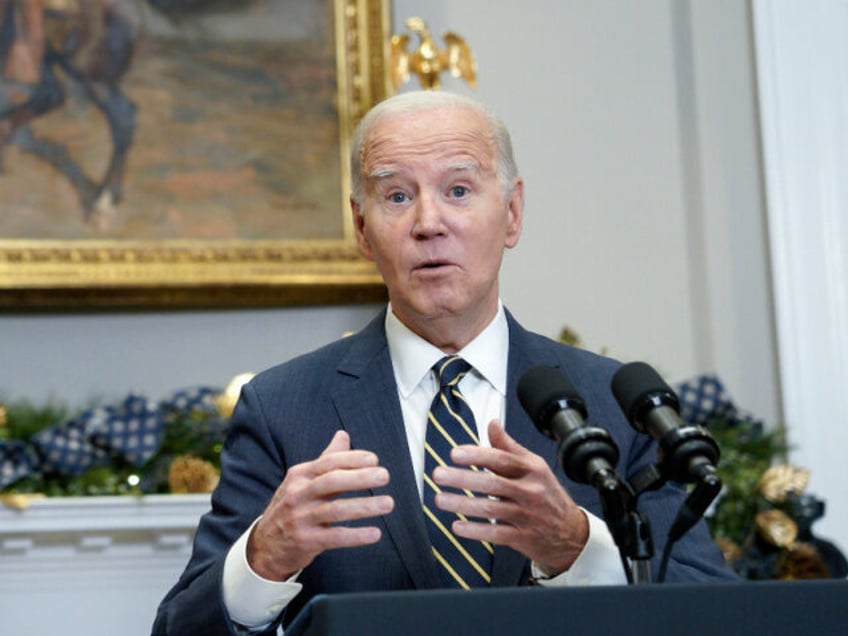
(192,475)
(802,562)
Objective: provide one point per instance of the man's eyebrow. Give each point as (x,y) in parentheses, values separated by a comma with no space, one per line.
(464,165)
(382,173)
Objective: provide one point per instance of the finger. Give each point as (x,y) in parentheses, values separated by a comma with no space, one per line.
(502,462)
(338,455)
(478,507)
(340,442)
(352,509)
(500,439)
(347,537)
(340,445)
(344,480)
(475,481)
(495,533)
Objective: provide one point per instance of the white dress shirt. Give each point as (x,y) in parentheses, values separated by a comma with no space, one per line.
(255,602)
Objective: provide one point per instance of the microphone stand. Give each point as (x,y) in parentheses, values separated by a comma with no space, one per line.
(707,485)
(588,453)
(629,528)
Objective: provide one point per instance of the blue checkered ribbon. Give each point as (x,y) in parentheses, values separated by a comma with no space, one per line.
(193,400)
(17,460)
(131,431)
(704,398)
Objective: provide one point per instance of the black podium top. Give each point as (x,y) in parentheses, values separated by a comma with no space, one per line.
(772,608)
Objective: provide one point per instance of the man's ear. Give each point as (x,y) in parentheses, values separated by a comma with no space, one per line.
(515,209)
(359,228)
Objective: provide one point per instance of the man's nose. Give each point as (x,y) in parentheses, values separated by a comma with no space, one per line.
(429,216)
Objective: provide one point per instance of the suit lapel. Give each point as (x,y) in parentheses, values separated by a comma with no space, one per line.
(369,409)
(509,565)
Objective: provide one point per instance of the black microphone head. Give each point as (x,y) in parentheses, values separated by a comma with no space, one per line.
(542,390)
(638,388)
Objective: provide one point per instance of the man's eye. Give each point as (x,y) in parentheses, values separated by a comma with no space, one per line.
(397,197)
(458,191)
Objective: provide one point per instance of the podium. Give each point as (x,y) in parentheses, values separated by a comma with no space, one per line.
(775,608)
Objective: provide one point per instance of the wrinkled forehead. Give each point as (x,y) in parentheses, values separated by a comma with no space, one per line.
(456,136)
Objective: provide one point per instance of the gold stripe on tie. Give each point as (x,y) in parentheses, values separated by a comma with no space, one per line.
(471,432)
(450,440)
(462,562)
(459,547)
(450,570)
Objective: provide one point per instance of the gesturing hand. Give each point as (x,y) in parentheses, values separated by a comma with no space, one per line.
(533,512)
(300,521)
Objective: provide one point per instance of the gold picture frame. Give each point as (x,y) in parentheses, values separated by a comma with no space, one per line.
(57,273)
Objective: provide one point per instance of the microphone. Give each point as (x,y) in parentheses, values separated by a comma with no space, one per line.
(587,454)
(689,453)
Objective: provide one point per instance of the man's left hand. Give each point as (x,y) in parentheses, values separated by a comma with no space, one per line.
(533,512)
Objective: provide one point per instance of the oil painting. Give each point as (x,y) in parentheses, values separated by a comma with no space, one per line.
(182,152)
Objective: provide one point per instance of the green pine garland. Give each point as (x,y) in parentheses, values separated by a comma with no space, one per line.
(747,451)
(197,433)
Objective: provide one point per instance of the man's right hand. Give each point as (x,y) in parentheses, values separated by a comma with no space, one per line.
(301,521)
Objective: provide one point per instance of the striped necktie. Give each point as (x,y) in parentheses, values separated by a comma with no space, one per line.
(463,563)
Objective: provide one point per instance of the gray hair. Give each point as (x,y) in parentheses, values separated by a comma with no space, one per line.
(414,101)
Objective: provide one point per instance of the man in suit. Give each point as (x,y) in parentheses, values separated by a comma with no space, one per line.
(324,472)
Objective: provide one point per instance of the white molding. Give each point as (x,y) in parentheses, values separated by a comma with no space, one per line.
(802,62)
(90,514)
(99,565)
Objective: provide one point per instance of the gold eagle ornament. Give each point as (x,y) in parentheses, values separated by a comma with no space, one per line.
(428,61)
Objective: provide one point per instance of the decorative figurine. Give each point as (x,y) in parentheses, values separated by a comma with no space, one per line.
(428,61)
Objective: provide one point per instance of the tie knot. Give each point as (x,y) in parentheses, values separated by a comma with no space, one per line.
(451,370)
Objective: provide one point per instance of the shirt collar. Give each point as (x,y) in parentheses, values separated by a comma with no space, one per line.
(413,357)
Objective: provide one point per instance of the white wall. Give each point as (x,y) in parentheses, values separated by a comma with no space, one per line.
(802,54)
(635,128)
(728,241)
(78,357)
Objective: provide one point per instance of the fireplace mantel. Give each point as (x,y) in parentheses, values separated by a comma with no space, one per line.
(92,565)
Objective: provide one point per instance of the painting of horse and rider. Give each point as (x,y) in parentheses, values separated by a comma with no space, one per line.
(169,119)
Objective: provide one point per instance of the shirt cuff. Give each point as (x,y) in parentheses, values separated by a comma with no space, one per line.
(599,563)
(251,600)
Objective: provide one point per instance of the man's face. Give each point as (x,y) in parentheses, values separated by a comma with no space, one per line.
(435,217)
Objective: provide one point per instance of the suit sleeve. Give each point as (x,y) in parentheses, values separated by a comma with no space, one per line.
(251,469)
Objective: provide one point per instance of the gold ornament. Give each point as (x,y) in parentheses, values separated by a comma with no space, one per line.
(190,474)
(803,561)
(428,61)
(3,416)
(19,501)
(778,481)
(570,337)
(225,402)
(730,549)
(776,527)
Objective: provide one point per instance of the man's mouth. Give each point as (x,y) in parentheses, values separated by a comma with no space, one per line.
(434,264)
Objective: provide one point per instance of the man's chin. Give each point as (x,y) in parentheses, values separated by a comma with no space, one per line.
(429,308)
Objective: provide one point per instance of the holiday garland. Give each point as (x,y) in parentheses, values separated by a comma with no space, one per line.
(761,519)
(135,446)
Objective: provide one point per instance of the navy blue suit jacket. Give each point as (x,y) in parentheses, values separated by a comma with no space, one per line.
(288,414)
